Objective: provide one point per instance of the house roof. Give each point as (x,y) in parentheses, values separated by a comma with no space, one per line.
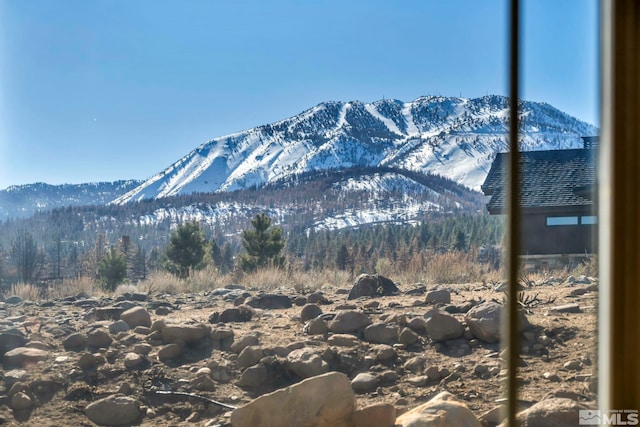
(552,178)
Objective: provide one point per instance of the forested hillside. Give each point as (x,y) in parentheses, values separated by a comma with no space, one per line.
(346,219)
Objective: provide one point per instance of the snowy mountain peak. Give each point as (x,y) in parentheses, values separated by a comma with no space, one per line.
(453,137)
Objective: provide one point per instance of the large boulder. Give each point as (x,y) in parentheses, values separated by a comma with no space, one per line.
(443,326)
(348,321)
(556,412)
(22,357)
(376,415)
(306,363)
(484,321)
(381,333)
(438,296)
(11,339)
(269,301)
(114,410)
(136,316)
(99,338)
(444,410)
(322,401)
(372,285)
(186,333)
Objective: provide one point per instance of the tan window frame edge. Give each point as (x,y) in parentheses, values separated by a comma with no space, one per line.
(618,210)
(619,207)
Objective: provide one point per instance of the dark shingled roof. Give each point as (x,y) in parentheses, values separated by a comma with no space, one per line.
(553,178)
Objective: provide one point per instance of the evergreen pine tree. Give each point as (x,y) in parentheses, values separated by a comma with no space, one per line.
(342,258)
(186,250)
(112,269)
(263,245)
(216,256)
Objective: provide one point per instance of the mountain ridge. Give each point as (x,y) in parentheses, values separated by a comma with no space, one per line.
(453,137)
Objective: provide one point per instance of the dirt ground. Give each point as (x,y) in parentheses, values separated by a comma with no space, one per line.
(558,355)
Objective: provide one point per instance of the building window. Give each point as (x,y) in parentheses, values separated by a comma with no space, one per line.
(562,220)
(589,220)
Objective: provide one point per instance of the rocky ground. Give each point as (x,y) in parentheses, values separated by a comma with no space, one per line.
(171,360)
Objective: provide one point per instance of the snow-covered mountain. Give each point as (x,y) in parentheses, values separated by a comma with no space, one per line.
(453,137)
(24,200)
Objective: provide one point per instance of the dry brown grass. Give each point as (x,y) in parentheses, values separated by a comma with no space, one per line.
(447,268)
(163,282)
(70,287)
(26,291)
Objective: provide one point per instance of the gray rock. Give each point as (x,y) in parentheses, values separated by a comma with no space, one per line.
(364,383)
(323,401)
(242,313)
(136,316)
(244,341)
(76,341)
(572,365)
(87,361)
(306,363)
(269,301)
(21,401)
(222,338)
(565,308)
(381,333)
(438,296)
(372,285)
(376,415)
(556,412)
(253,377)
(118,326)
(203,383)
(13,300)
(316,326)
(133,360)
(443,326)
(317,298)
(11,339)
(484,321)
(444,410)
(99,338)
(415,364)
(249,356)
(310,311)
(385,353)
(343,340)
(418,325)
(114,410)
(407,337)
(433,373)
(186,333)
(170,352)
(22,357)
(220,373)
(347,321)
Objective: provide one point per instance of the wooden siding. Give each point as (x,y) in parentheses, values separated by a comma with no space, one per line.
(540,239)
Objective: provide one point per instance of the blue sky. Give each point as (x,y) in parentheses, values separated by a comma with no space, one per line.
(103,90)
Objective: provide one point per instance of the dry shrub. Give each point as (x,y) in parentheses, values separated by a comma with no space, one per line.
(69,287)
(453,267)
(26,291)
(126,288)
(163,282)
(305,282)
(266,278)
(588,267)
(301,281)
